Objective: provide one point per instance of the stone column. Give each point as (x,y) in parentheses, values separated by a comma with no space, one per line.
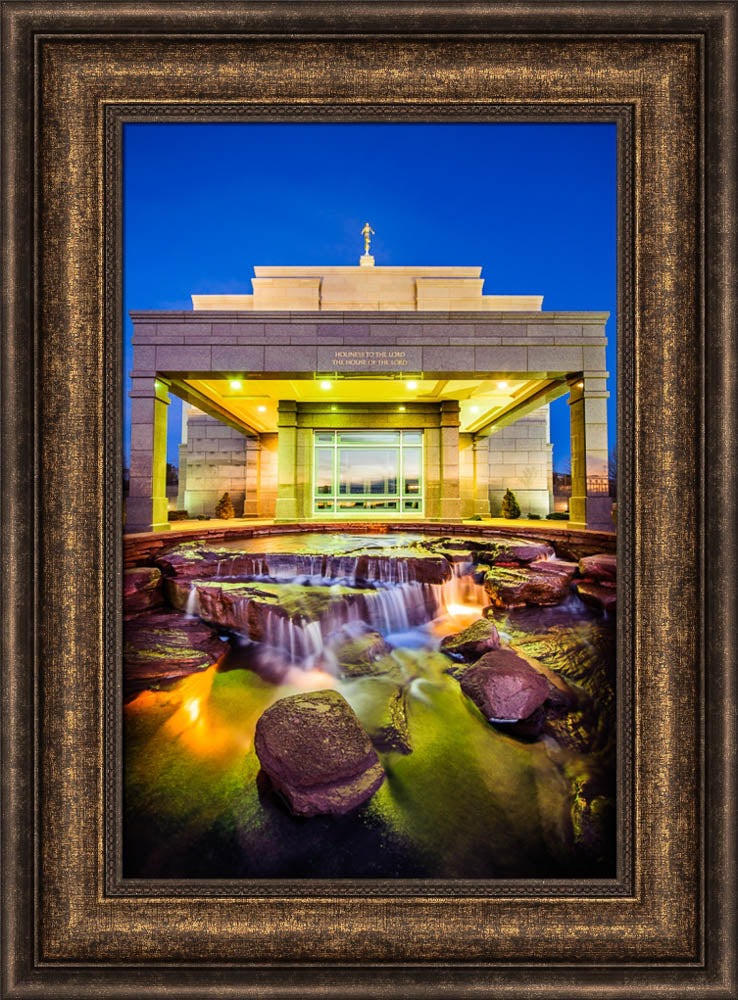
(590,505)
(146,507)
(450,505)
(286,509)
(481,475)
(251,478)
(182,476)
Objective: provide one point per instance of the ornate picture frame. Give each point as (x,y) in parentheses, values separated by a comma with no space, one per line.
(72,75)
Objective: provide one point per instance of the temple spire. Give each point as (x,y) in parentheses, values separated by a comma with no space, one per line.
(366,260)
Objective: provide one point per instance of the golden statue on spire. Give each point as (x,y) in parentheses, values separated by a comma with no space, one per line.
(367,232)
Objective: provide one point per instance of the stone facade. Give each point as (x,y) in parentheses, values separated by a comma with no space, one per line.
(214,460)
(521,460)
(304,323)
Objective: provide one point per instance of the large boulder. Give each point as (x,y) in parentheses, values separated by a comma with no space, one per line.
(141,590)
(505,687)
(162,646)
(316,754)
(513,587)
(602,567)
(596,595)
(476,640)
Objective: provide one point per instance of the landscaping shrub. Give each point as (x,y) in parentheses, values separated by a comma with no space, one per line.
(224,508)
(510,505)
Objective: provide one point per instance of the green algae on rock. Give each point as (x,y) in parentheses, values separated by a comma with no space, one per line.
(478,638)
(161,646)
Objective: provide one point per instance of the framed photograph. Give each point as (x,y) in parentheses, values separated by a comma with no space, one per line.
(369,500)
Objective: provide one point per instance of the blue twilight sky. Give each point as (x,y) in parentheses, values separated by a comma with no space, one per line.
(534,205)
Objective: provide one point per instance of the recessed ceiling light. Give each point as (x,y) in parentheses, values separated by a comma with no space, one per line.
(334,407)
(502,385)
(474,409)
(402,409)
(235,385)
(411,385)
(326,385)
(262,409)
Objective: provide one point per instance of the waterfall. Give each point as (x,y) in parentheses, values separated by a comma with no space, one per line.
(397,608)
(300,642)
(460,593)
(192,608)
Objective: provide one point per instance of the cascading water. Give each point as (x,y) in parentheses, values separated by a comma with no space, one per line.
(385,597)
(359,616)
(192,608)
(461,594)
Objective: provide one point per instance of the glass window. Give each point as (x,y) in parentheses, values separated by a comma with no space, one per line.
(411,470)
(370,438)
(368,470)
(323,471)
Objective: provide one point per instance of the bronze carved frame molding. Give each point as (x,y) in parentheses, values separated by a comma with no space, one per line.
(72,74)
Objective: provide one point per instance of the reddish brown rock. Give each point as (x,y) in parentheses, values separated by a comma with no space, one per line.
(601,567)
(597,596)
(512,587)
(316,754)
(161,646)
(192,561)
(479,638)
(141,589)
(559,567)
(505,687)
(258,609)
(523,551)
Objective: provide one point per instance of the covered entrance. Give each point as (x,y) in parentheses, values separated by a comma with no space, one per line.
(368,393)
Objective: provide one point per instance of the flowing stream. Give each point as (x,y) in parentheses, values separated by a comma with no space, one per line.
(469,801)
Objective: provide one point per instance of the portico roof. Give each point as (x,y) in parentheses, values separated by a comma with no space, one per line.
(348,288)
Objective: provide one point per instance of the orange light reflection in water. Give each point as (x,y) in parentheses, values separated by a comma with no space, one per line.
(221,728)
(457,618)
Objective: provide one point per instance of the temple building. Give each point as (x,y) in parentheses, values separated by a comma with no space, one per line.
(367,393)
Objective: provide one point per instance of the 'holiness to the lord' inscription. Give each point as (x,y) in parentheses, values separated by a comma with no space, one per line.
(350,358)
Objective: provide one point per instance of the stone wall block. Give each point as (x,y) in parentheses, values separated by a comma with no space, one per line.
(179,358)
(500,360)
(238,359)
